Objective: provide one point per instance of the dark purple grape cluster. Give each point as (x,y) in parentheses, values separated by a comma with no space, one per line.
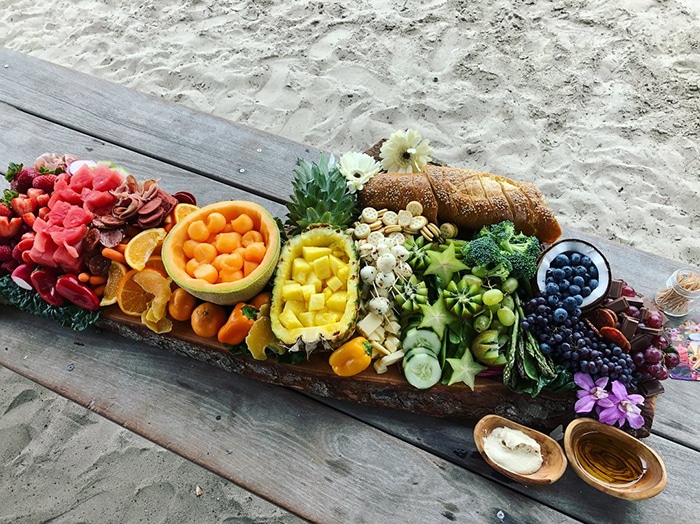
(574,345)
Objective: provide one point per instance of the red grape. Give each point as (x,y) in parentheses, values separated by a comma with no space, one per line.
(655,320)
(660,342)
(633,311)
(628,291)
(671,360)
(653,355)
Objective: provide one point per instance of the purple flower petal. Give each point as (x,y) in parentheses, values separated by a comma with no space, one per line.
(585,404)
(584,381)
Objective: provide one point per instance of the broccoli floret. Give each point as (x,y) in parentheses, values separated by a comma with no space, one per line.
(520,250)
(486,258)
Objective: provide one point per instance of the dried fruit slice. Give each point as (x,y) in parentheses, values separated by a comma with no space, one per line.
(602,317)
(155,284)
(141,247)
(116,271)
(616,336)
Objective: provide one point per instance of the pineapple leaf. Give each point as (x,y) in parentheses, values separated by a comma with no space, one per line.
(320,196)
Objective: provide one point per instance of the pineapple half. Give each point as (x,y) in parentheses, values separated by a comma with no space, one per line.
(315,295)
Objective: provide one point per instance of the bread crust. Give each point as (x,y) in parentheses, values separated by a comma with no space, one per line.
(467,198)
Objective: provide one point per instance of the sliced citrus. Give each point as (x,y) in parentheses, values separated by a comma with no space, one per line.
(182,210)
(116,271)
(156,262)
(164,325)
(141,247)
(133,300)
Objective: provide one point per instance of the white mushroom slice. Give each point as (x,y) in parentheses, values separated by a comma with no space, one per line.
(381,365)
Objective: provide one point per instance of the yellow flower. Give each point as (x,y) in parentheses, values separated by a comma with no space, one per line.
(358,168)
(405,153)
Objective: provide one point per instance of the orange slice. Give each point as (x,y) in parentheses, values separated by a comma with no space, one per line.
(155,284)
(156,262)
(131,297)
(182,210)
(141,247)
(116,271)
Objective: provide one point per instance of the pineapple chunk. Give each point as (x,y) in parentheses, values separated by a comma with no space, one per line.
(292,291)
(307,318)
(288,319)
(300,270)
(314,281)
(296,306)
(337,301)
(322,267)
(317,302)
(342,274)
(326,317)
(311,253)
(308,290)
(334,283)
(337,264)
(327,292)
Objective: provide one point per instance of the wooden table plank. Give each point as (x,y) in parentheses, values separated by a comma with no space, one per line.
(216,148)
(188,147)
(289,449)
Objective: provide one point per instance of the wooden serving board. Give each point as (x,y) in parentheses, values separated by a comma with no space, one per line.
(391,390)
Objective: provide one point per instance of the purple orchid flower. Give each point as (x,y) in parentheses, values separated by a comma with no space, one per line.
(591,394)
(623,408)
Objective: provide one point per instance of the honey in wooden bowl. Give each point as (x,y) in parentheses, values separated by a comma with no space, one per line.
(613,461)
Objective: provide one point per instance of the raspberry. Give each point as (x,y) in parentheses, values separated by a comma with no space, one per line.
(5,253)
(44,182)
(5,210)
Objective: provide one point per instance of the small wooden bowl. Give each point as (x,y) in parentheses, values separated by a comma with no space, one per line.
(637,471)
(553,458)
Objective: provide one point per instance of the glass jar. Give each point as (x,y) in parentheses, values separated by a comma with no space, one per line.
(681,294)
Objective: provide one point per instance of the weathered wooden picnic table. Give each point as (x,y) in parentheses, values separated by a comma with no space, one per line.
(324,460)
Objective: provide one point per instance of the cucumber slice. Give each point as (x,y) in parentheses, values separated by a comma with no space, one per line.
(422,371)
(418,350)
(422,338)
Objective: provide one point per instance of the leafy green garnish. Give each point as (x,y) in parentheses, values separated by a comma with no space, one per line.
(29,301)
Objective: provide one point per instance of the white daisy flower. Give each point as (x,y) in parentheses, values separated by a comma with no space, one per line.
(358,168)
(405,153)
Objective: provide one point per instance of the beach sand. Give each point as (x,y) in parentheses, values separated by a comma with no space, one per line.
(597,102)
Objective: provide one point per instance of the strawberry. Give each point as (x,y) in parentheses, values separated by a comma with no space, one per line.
(5,253)
(20,177)
(5,210)
(44,182)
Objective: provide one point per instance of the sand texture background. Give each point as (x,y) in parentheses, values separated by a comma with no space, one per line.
(596,101)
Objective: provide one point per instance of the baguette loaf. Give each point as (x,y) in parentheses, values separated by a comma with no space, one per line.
(466,198)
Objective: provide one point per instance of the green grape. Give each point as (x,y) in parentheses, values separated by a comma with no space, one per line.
(506,316)
(508,302)
(482,322)
(491,297)
(510,285)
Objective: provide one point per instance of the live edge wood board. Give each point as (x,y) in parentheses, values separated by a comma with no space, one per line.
(545,412)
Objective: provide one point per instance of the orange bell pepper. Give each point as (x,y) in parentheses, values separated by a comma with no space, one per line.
(352,357)
(239,322)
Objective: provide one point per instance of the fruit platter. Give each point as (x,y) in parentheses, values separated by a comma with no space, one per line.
(393,281)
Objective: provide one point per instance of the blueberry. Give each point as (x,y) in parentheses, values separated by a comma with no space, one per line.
(557,273)
(569,304)
(551,289)
(580,270)
(593,271)
(553,299)
(545,348)
(578,281)
(560,260)
(560,314)
(575,258)
(593,283)
(585,291)
(579,299)
(586,261)
(564,286)
(568,270)
(574,290)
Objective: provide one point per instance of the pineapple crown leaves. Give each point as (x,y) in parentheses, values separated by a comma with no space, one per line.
(320,196)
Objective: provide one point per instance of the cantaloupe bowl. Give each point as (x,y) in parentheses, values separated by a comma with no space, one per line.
(175,250)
